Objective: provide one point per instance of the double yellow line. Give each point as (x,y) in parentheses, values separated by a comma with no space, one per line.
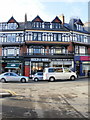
(11,92)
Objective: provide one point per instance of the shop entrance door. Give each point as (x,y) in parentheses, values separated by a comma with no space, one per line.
(78,69)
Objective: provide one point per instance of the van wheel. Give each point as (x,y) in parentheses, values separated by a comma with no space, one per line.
(51,79)
(36,79)
(72,78)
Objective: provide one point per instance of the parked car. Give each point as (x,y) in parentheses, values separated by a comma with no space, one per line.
(55,73)
(38,76)
(11,76)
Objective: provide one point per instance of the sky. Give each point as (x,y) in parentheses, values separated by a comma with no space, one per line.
(46,9)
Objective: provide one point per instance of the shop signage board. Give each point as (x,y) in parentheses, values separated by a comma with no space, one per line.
(40,60)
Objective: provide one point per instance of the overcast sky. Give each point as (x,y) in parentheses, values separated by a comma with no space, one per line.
(46,9)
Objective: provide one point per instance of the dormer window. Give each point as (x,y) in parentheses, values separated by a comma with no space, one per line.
(37,24)
(12,26)
(56,25)
(12,23)
(79,27)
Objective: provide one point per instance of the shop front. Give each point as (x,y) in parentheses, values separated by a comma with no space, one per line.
(12,65)
(34,65)
(82,65)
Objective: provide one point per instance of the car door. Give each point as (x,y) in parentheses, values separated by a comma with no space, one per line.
(7,76)
(14,77)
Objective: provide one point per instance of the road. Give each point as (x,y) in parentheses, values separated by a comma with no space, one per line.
(60,99)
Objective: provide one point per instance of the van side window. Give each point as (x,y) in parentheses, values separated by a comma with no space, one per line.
(51,70)
(67,70)
(59,70)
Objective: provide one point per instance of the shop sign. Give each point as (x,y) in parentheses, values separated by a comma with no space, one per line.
(40,59)
(62,59)
(11,57)
(11,61)
(86,58)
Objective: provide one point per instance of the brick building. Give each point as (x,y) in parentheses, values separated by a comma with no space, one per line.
(30,46)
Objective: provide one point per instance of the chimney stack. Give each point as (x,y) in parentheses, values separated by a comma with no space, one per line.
(62,18)
(25,17)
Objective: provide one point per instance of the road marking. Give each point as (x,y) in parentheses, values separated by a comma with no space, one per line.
(11,92)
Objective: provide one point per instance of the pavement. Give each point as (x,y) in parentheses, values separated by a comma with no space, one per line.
(8,93)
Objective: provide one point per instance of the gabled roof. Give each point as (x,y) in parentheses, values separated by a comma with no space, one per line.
(12,20)
(78,21)
(37,19)
(57,20)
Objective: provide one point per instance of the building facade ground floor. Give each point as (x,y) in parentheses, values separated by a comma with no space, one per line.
(30,65)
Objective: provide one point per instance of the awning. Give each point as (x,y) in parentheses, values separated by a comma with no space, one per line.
(13,65)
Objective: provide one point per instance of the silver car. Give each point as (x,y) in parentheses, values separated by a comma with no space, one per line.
(11,76)
(38,76)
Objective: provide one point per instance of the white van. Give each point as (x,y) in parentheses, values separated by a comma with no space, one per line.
(55,73)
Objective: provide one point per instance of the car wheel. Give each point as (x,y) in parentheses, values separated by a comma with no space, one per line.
(51,79)
(72,78)
(36,79)
(3,80)
(23,80)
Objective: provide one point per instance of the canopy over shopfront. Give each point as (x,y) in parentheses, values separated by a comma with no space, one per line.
(12,66)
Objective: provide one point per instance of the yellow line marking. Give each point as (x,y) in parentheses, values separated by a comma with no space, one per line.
(11,92)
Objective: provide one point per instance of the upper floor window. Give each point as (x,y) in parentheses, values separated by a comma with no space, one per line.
(47,25)
(12,26)
(56,25)
(37,36)
(57,50)
(5,26)
(10,51)
(80,50)
(37,24)
(36,50)
(79,27)
(11,38)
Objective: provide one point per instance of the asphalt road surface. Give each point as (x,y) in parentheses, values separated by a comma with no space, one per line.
(60,99)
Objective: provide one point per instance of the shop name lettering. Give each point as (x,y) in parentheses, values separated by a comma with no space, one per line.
(39,59)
